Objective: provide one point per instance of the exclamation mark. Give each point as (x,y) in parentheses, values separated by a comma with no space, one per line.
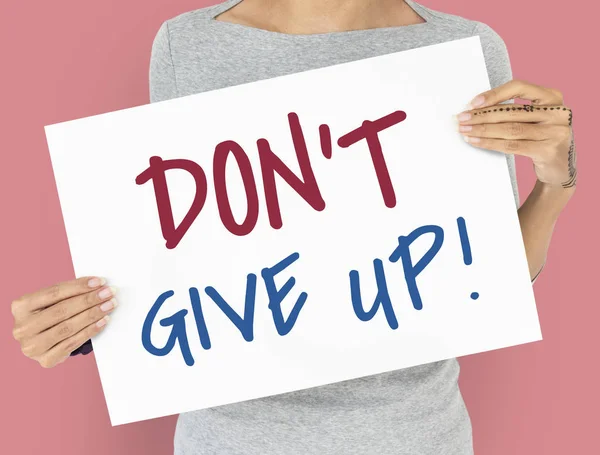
(466,247)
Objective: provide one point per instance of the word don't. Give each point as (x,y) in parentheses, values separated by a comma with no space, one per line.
(270,165)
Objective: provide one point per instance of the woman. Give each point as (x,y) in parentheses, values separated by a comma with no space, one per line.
(412,411)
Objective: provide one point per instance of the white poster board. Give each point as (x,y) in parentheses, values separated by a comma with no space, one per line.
(326,212)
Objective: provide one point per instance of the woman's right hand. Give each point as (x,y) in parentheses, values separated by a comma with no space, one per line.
(53,322)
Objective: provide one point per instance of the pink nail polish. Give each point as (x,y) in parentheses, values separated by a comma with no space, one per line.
(107,306)
(477,101)
(102,322)
(463,117)
(95,282)
(465,128)
(106,293)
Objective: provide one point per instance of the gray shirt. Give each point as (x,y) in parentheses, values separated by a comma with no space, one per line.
(414,411)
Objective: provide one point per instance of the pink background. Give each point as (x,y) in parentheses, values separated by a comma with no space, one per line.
(66,59)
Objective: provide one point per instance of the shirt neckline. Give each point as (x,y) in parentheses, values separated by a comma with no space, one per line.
(228,4)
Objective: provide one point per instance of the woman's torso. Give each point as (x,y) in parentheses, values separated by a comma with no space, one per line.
(415,411)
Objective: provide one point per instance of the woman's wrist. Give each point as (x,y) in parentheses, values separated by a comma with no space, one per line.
(555,197)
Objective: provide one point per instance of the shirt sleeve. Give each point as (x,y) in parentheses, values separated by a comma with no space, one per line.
(163,83)
(84,349)
(499,70)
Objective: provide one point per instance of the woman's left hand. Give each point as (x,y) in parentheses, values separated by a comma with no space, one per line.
(540,130)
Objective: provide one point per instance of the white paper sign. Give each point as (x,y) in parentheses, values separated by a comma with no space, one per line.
(261,278)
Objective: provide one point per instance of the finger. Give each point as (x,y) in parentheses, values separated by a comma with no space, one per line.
(51,337)
(62,350)
(503,113)
(517,89)
(509,146)
(54,294)
(62,311)
(518,131)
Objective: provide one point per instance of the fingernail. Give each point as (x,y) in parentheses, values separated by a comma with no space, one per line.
(463,116)
(102,322)
(477,101)
(107,306)
(107,292)
(471,139)
(465,128)
(95,282)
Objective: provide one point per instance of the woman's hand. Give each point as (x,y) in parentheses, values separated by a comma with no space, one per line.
(541,130)
(53,322)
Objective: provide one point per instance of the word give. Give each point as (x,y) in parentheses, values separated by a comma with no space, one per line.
(276,296)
